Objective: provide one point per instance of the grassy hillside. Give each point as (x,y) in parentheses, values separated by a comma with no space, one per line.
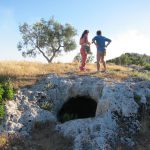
(132,59)
(27,73)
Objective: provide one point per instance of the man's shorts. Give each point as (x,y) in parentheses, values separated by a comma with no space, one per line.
(102,53)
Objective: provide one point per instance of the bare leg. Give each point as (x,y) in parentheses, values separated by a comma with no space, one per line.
(98,66)
(98,61)
(104,63)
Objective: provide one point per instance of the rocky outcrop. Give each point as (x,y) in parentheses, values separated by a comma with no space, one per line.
(116,102)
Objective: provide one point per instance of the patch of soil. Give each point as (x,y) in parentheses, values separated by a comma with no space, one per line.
(43,137)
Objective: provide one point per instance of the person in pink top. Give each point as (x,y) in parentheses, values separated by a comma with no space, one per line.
(83,51)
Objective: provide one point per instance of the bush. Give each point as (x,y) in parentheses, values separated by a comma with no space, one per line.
(46,106)
(8,91)
(2,111)
(1,93)
(137,98)
(67,117)
(78,58)
(130,59)
(4,78)
(147,66)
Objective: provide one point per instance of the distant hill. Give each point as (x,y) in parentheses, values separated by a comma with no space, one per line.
(132,59)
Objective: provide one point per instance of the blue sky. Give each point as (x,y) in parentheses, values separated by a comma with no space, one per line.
(126,22)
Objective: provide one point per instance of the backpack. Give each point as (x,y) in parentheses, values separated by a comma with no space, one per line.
(81,42)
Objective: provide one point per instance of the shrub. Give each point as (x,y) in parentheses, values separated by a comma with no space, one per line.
(3,78)
(1,93)
(2,111)
(147,66)
(131,58)
(137,98)
(67,117)
(47,105)
(8,90)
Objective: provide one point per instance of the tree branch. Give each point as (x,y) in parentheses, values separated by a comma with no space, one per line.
(43,54)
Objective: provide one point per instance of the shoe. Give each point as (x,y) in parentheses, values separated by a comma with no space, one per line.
(82,69)
(97,71)
(104,71)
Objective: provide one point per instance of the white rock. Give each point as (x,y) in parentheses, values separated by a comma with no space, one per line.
(88,133)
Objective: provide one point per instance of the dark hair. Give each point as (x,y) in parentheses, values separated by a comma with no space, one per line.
(85,32)
(99,32)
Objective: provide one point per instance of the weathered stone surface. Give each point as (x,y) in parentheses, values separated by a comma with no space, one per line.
(116,101)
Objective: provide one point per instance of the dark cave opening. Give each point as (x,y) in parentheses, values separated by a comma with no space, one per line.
(77,107)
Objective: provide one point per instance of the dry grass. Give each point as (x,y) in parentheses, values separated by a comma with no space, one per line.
(43,137)
(26,73)
(3,140)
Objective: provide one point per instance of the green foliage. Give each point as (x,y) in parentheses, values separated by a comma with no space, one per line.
(3,78)
(1,93)
(141,75)
(90,58)
(131,58)
(77,58)
(67,117)
(48,38)
(8,90)
(47,105)
(6,93)
(2,111)
(137,98)
(147,66)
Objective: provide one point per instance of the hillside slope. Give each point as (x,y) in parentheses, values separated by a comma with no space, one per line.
(132,59)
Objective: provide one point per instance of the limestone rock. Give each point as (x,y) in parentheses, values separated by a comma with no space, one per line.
(116,102)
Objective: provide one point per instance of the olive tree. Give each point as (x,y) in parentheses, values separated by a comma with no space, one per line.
(48,38)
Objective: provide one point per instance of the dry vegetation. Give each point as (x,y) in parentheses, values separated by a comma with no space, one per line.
(43,137)
(27,73)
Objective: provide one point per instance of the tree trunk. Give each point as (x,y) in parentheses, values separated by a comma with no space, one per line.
(50,60)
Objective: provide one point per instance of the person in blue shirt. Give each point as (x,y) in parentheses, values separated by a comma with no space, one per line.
(101,43)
